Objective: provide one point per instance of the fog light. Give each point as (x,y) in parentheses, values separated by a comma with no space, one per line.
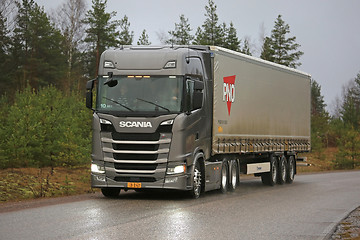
(171,180)
(97,168)
(100,178)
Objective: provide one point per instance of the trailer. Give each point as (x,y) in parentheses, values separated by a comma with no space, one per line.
(194,118)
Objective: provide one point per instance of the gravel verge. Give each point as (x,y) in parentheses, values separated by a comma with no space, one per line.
(348,228)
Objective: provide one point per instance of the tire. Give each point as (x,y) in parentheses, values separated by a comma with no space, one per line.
(291,164)
(197,181)
(224,185)
(110,192)
(282,173)
(270,178)
(234,176)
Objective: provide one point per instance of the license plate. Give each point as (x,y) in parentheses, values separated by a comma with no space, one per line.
(133,185)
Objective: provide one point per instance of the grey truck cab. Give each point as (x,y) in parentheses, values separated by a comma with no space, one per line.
(149,122)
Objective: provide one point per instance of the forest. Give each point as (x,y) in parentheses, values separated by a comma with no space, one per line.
(47,59)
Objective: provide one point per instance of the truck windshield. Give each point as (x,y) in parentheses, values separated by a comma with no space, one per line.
(146,94)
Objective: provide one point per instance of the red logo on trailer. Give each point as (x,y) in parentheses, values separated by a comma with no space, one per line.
(229,91)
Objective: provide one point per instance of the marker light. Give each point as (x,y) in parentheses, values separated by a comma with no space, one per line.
(167,122)
(170,64)
(108,64)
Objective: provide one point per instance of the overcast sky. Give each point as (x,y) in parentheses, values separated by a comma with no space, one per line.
(327,30)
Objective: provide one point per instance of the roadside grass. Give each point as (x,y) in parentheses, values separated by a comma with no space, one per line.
(18,184)
(319,161)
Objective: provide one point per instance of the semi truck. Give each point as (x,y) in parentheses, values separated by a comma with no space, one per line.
(195,119)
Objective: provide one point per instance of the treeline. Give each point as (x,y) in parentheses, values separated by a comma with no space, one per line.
(46,61)
(342,129)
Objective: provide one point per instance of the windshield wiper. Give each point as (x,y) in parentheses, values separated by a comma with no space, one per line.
(119,104)
(154,104)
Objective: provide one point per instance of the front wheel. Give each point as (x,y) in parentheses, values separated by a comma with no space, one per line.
(196,191)
(110,192)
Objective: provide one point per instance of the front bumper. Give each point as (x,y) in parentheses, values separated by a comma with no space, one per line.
(176,182)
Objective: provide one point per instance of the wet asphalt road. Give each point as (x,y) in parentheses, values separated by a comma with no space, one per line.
(307,209)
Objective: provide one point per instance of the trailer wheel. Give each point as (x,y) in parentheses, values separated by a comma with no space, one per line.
(234,180)
(282,170)
(110,192)
(196,191)
(224,177)
(290,170)
(270,178)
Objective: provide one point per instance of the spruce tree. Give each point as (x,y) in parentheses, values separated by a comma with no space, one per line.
(319,119)
(101,34)
(181,35)
(245,49)
(231,41)
(280,49)
(144,39)
(126,36)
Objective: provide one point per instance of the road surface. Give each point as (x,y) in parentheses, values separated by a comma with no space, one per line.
(307,209)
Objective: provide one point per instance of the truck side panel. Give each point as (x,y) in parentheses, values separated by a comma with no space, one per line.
(258,107)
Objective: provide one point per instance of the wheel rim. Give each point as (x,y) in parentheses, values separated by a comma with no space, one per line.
(233,176)
(274,171)
(197,182)
(224,177)
(283,170)
(291,169)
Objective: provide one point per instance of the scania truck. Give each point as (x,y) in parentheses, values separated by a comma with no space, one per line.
(194,118)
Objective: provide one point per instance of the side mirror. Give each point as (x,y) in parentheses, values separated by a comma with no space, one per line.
(89,94)
(89,99)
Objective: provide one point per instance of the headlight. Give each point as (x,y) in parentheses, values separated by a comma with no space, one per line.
(97,168)
(177,169)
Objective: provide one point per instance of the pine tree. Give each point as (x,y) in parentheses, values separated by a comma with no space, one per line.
(36,49)
(126,36)
(182,33)
(101,34)
(211,32)
(144,39)
(283,49)
(5,82)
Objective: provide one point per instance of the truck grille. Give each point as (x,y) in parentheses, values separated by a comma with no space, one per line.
(134,156)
